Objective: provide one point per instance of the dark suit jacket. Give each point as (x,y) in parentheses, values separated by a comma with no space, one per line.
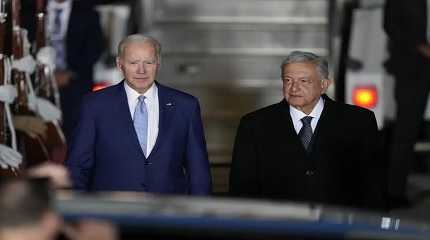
(84,38)
(84,45)
(105,153)
(405,23)
(269,160)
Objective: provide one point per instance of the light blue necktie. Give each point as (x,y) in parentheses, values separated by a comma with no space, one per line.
(140,121)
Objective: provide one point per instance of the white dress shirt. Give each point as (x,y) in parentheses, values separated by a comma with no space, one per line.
(66,6)
(152,105)
(297,115)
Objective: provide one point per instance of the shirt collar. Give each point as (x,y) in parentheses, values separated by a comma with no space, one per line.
(296,114)
(132,94)
(63,5)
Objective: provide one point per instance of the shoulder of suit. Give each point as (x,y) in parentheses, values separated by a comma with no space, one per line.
(350,109)
(178,95)
(105,94)
(81,9)
(83,5)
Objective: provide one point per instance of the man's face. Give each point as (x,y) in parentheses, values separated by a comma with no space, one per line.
(139,65)
(302,85)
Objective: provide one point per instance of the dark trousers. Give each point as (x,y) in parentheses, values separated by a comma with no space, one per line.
(412,85)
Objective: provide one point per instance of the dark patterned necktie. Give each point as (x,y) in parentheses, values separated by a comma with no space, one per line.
(305,133)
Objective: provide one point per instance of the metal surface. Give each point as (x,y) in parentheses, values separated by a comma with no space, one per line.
(203,217)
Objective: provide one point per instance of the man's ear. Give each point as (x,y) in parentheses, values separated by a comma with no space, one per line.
(325,83)
(119,63)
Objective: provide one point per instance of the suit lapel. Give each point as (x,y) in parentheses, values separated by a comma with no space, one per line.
(289,126)
(166,110)
(125,117)
(324,128)
(71,25)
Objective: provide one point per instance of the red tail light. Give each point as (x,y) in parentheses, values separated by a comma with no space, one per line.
(99,86)
(365,96)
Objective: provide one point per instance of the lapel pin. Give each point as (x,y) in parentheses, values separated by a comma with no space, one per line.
(169,104)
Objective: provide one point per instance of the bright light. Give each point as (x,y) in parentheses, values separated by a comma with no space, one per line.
(365,96)
(99,86)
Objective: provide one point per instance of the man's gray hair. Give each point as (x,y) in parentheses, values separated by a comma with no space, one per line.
(320,63)
(140,38)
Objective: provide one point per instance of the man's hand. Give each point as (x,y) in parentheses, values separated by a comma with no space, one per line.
(31,125)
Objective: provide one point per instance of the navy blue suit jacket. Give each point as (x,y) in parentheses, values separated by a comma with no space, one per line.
(104,153)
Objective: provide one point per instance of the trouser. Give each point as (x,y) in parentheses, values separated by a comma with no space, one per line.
(412,85)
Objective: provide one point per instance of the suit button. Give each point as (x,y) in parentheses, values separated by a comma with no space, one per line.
(143,185)
(146,163)
(310,173)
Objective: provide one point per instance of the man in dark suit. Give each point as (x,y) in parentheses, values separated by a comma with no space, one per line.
(140,135)
(406,25)
(74,30)
(308,147)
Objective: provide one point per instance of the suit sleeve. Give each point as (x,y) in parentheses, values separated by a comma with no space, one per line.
(197,163)
(95,42)
(80,159)
(373,173)
(86,43)
(243,173)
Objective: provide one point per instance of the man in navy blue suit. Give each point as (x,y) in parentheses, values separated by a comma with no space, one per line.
(117,146)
